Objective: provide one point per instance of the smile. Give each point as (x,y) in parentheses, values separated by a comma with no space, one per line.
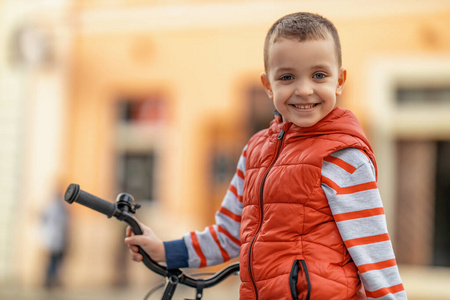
(304,106)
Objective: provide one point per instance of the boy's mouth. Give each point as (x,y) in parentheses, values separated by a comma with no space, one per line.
(304,106)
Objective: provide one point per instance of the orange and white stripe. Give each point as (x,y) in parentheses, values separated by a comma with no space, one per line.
(349,182)
(221,242)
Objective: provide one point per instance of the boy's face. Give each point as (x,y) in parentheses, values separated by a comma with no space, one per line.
(303,79)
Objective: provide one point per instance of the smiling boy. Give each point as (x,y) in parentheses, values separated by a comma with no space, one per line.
(303,79)
(303,211)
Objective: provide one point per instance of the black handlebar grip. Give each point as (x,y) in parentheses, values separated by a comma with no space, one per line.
(75,194)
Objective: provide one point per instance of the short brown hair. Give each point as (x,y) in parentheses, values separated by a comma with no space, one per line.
(302,27)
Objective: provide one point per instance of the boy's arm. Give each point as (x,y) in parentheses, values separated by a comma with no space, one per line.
(348,180)
(217,243)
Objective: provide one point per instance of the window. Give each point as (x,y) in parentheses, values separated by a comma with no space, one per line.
(423,96)
(260,110)
(149,111)
(139,123)
(137,174)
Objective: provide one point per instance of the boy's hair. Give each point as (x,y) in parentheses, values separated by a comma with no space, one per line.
(302,27)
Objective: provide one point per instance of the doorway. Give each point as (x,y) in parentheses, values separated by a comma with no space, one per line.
(423,202)
(441,253)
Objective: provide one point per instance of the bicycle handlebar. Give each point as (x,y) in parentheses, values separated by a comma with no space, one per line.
(73,193)
(122,210)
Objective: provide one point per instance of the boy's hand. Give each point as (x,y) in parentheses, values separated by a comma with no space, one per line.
(148,241)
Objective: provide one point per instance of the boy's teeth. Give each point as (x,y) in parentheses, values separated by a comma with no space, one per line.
(303,106)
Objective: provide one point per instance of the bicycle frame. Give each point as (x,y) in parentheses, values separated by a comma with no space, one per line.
(122,210)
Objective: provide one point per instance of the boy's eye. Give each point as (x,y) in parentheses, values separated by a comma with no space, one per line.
(319,76)
(286,77)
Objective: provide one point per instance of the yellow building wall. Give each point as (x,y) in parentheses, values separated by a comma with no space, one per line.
(203,74)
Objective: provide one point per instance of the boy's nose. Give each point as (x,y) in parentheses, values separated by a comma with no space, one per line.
(304,88)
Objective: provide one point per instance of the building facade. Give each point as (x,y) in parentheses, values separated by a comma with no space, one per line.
(158,100)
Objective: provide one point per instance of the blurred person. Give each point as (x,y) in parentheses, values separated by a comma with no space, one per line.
(303,211)
(54,229)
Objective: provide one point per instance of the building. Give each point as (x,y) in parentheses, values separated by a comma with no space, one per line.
(158,99)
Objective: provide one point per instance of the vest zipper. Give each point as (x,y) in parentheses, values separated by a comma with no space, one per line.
(261,189)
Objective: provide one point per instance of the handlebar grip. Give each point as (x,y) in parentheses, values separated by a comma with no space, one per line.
(75,194)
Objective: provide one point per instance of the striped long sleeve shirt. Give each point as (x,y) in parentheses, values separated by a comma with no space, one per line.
(349,183)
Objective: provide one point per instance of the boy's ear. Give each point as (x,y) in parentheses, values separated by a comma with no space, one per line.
(341,81)
(266,84)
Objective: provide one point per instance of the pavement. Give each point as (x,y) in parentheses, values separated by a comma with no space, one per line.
(227,290)
(421,283)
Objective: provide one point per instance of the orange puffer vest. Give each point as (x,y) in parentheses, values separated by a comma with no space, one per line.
(291,247)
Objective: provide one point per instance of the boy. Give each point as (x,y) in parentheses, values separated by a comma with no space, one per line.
(303,210)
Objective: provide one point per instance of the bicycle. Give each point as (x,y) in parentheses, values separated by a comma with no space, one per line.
(123,210)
